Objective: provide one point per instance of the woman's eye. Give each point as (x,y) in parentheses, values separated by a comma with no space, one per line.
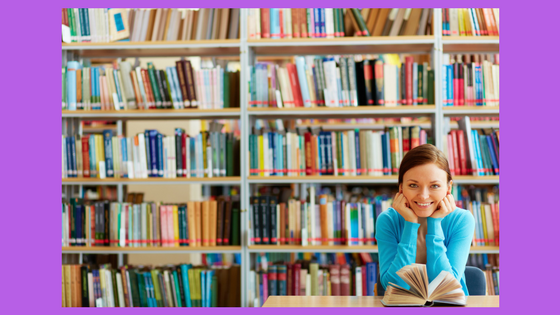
(412,186)
(435,186)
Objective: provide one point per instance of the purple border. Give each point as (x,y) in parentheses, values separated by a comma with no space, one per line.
(31,34)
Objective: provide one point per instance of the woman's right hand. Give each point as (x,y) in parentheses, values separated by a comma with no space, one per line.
(400,203)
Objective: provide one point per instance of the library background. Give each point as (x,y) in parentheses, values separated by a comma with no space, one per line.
(215,157)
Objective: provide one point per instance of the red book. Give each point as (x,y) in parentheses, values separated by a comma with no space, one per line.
(335,280)
(365,258)
(294,82)
(265,23)
(289,279)
(345,280)
(296,273)
(462,153)
(184,142)
(496,222)
(461,85)
(408,79)
(364,280)
(314,154)
(455,147)
(308,157)
(281,19)
(295,23)
(148,89)
(85,155)
(456,84)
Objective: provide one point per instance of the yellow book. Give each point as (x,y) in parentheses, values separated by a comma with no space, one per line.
(461,22)
(212,222)
(490,224)
(204,158)
(102,285)
(176,226)
(100,153)
(467,22)
(261,155)
(197,286)
(118,24)
(484,229)
(68,287)
(192,286)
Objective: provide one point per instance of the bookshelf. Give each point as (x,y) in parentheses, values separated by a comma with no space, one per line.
(247,51)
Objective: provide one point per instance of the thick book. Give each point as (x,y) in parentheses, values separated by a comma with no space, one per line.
(444,289)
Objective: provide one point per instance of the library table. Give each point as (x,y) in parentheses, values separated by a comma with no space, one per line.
(360,301)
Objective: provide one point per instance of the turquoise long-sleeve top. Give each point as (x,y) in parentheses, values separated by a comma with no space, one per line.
(448,242)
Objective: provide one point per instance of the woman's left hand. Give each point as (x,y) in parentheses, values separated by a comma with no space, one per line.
(445,207)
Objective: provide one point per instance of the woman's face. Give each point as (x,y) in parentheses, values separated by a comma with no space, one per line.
(424,187)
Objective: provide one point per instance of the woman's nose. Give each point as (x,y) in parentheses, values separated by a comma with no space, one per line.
(424,193)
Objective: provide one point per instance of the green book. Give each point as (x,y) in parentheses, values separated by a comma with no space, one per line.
(336,22)
(360,20)
(153,83)
(115,289)
(192,286)
(170,89)
(72,23)
(431,99)
(341,19)
(132,275)
(313,270)
(214,290)
(176,289)
(198,300)
(142,289)
(420,84)
(229,153)
(226,89)
(157,289)
(64,105)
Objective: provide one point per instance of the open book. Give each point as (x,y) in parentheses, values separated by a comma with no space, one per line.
(444,289)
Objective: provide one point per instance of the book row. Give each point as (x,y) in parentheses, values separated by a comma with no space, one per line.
(341,153)
(151,224)
(139,25)
(350,219)
(151,154)
(306,278)
(472,153)
(169,286)
(277,23)
(471,80)
(490,264)
(123,86)
(341,81)
(471,22)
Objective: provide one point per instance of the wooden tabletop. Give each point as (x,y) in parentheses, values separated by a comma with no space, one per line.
(359,301)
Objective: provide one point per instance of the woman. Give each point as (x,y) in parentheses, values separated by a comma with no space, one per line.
(424,226)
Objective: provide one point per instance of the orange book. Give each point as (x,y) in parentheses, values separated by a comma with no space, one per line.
(323,215)
(198,220)
(137,93)
(213,222)
(77,289)
(496,222)
(79,88)
(191,214)
(206,223)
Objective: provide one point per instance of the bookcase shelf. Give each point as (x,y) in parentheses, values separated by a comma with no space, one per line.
(471,111)
(326,112)
(226,47)
(150,250)
(381,126)
(151,114)
(465,44)
(330,179)
(343,45)
(344,249)
(214,181)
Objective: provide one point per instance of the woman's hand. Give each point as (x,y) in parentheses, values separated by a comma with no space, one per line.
(400,203)
(445,207)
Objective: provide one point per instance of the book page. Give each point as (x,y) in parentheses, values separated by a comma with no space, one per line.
(408,277)
(447,284)
(396,295)
(436,282)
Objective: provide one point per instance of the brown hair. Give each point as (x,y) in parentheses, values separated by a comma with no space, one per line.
(424,154)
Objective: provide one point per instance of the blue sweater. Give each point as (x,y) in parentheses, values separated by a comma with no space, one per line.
(448,242)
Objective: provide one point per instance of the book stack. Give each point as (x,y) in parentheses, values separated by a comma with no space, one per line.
(332,22)
(312,152)
(149,25)
(149,224)
(341,81)
(169,286)
(485,208)
(307,278)
(125,87)
(471,80)
(471,152)
(471,22)
(211,153)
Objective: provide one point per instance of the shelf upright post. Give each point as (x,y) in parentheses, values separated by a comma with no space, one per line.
(437,123)
(245,58)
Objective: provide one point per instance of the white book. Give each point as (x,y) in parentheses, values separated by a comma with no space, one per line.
(141,87)
(257,19)
(109,283)
(106,25)
(454,22)
(311,210)
(142,156)
(90,290)
(358,281)
(286,97)
(389,85)
(91,18)
(496,84)
(136,160)
(120,291)
(251,289)
(209,165)
(329,67)
(288,25)
(318,232)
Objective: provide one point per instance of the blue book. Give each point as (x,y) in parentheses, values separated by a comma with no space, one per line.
(192,145)
(414,83)
(209,275)
(203,287)
(118,88)
(322,20)
(316,85)
(493,155)
(147,289)
(302,77)
(273,140)
(450,85)
(478,85)
(272,281)
(342,148)
(330,162)
(357,146)
(371,274)
(317,22)
(69,169)
(124,150)
(107,139)
(92,157)
(477,152)
(186,288)
(354,223)
(160,154)
(274,23)
(71,88)
(150,137)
